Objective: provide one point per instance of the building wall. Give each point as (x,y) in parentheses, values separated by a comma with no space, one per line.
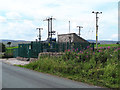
(65,38)
(73,38)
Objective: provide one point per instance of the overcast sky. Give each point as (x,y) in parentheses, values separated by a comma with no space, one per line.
(20,18)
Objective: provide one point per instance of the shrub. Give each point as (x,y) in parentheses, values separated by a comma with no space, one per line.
(2,47)
(8,53)
(99,67)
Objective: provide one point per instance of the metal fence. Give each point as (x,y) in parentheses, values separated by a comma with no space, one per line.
(15,52)
(34,48)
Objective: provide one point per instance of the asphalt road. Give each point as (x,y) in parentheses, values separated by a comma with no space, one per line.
(16,77)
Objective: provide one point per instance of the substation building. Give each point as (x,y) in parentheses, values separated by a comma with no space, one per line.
(65,41)
(71,38)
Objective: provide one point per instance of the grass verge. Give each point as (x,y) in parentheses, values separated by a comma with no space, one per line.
(99,68)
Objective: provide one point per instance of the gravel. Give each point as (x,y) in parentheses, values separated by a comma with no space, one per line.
(14,61)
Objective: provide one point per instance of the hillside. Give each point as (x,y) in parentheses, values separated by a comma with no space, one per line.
(14,43)
(103,41)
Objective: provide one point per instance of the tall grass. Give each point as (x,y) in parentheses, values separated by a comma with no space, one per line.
(99,67)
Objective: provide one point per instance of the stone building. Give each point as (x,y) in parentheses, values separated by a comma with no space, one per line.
(71,37)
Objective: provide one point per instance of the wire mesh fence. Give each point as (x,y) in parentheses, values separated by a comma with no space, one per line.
(32,49)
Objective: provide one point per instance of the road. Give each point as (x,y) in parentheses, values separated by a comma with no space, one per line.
(16,77)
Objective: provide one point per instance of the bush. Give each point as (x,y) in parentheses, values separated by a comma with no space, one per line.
(2,47)
(8,53)
(99,67)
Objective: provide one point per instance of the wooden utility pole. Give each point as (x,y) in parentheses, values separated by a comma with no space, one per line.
(39,33)
(69,26)
(97,26)
(79,30)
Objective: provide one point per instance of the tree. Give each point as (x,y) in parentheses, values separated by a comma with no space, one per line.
(2,47)
(117,43)
(9,43)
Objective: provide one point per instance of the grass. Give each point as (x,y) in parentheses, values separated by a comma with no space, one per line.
(98,68)
(11,47)
(0,56)
(107,45)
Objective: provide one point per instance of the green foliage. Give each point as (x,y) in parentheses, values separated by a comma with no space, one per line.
(11,47)
(9,52)
(2,47)
(99,67)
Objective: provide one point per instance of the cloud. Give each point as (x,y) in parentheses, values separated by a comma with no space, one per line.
(29,14)
(18,30)
(114,36)
(2,19)
(13,15)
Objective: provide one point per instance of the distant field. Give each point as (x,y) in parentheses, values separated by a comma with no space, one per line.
(11,47)
(106,45)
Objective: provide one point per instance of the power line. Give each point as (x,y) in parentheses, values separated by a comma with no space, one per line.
(97,26)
